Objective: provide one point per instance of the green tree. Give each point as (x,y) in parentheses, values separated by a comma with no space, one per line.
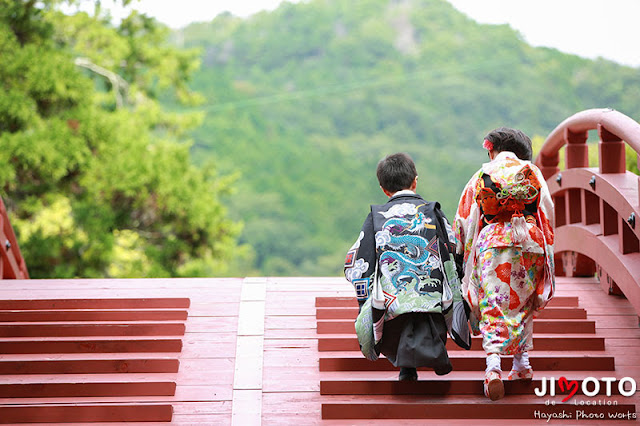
(94,173)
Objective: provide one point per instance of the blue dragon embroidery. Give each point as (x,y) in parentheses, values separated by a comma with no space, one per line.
(407,256)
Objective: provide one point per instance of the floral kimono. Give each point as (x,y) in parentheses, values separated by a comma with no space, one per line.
(504,231)
(404,247)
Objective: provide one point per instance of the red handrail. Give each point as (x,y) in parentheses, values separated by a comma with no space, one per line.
(12,265)
(613,128)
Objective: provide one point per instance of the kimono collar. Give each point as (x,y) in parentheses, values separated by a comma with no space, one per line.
(403,192)
(503,155)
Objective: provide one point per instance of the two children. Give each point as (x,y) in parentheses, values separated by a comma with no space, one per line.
(504,241)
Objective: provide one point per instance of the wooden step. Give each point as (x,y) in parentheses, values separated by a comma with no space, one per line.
(472,407)
(430,387)
(426,374)
(563,362)
(340,326)
(348,342)
(89,366)
(105,389)
(99,329)
(351,312)
(71,315)
(341,302)
(49,304)
(42,346)
(80,413)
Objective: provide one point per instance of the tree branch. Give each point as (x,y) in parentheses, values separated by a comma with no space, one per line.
(119,84)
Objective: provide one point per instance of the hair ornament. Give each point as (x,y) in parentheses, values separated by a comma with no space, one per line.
(488,145)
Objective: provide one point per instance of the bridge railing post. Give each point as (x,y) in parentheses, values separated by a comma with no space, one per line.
(612,152)
(576,150)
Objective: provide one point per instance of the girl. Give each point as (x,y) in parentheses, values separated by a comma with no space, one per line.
(504,234)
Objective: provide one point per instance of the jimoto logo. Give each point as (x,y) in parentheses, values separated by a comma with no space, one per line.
(590,387)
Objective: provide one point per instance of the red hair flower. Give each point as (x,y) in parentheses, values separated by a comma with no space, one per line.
(488,145)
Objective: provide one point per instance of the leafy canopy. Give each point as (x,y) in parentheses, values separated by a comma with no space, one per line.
(95,171)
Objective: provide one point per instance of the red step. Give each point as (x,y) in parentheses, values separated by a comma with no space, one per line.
(90,413)
(351,312)
(89,366)
(106,389)
(430,387)
(341,302)
(84,329)
(68,315)
(339,326)
(563,362)
(105,328)
(342,342)
(412,407)
(48,304)
(90,346)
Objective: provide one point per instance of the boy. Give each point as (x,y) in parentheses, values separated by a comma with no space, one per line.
(404,246)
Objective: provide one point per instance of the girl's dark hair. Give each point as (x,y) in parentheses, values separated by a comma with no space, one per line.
(396,172)
(507,139)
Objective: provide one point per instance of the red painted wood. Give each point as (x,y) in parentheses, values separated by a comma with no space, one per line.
(93,315)
(574,207)
(342,302)
(326,313)
(428,387)
(553,355)
(477,363)
(591,208)
(123,303)
(576,150)
(85,413)
(448,410)
(611,125)
(89,366)
(612,152)
(41,390)
(12,265)
(617,191)
(544,343)
(74,330)
(291,376)
(338,326)
(89,346)
(606,250)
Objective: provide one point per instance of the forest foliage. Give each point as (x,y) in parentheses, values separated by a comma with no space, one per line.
(303,102)
(93,174)
(248,146)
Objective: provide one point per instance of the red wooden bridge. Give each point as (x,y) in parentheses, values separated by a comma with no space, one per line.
(280,351)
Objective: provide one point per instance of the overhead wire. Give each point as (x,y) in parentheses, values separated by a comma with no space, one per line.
(317,92)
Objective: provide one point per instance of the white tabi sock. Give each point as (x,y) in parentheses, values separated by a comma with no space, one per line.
(493,363)
(521,361)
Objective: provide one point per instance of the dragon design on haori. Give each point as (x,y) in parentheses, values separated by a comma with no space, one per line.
(408,259)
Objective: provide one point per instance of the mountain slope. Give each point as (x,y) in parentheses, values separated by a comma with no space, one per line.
(303,101)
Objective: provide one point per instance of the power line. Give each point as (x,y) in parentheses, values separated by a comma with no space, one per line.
(317,92)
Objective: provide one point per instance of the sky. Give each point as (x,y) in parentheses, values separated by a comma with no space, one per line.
(588,28)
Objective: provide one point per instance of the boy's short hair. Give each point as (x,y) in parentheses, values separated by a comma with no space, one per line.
(396,172)
(507,139)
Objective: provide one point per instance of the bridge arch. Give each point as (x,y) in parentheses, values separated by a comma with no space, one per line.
(597,209)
